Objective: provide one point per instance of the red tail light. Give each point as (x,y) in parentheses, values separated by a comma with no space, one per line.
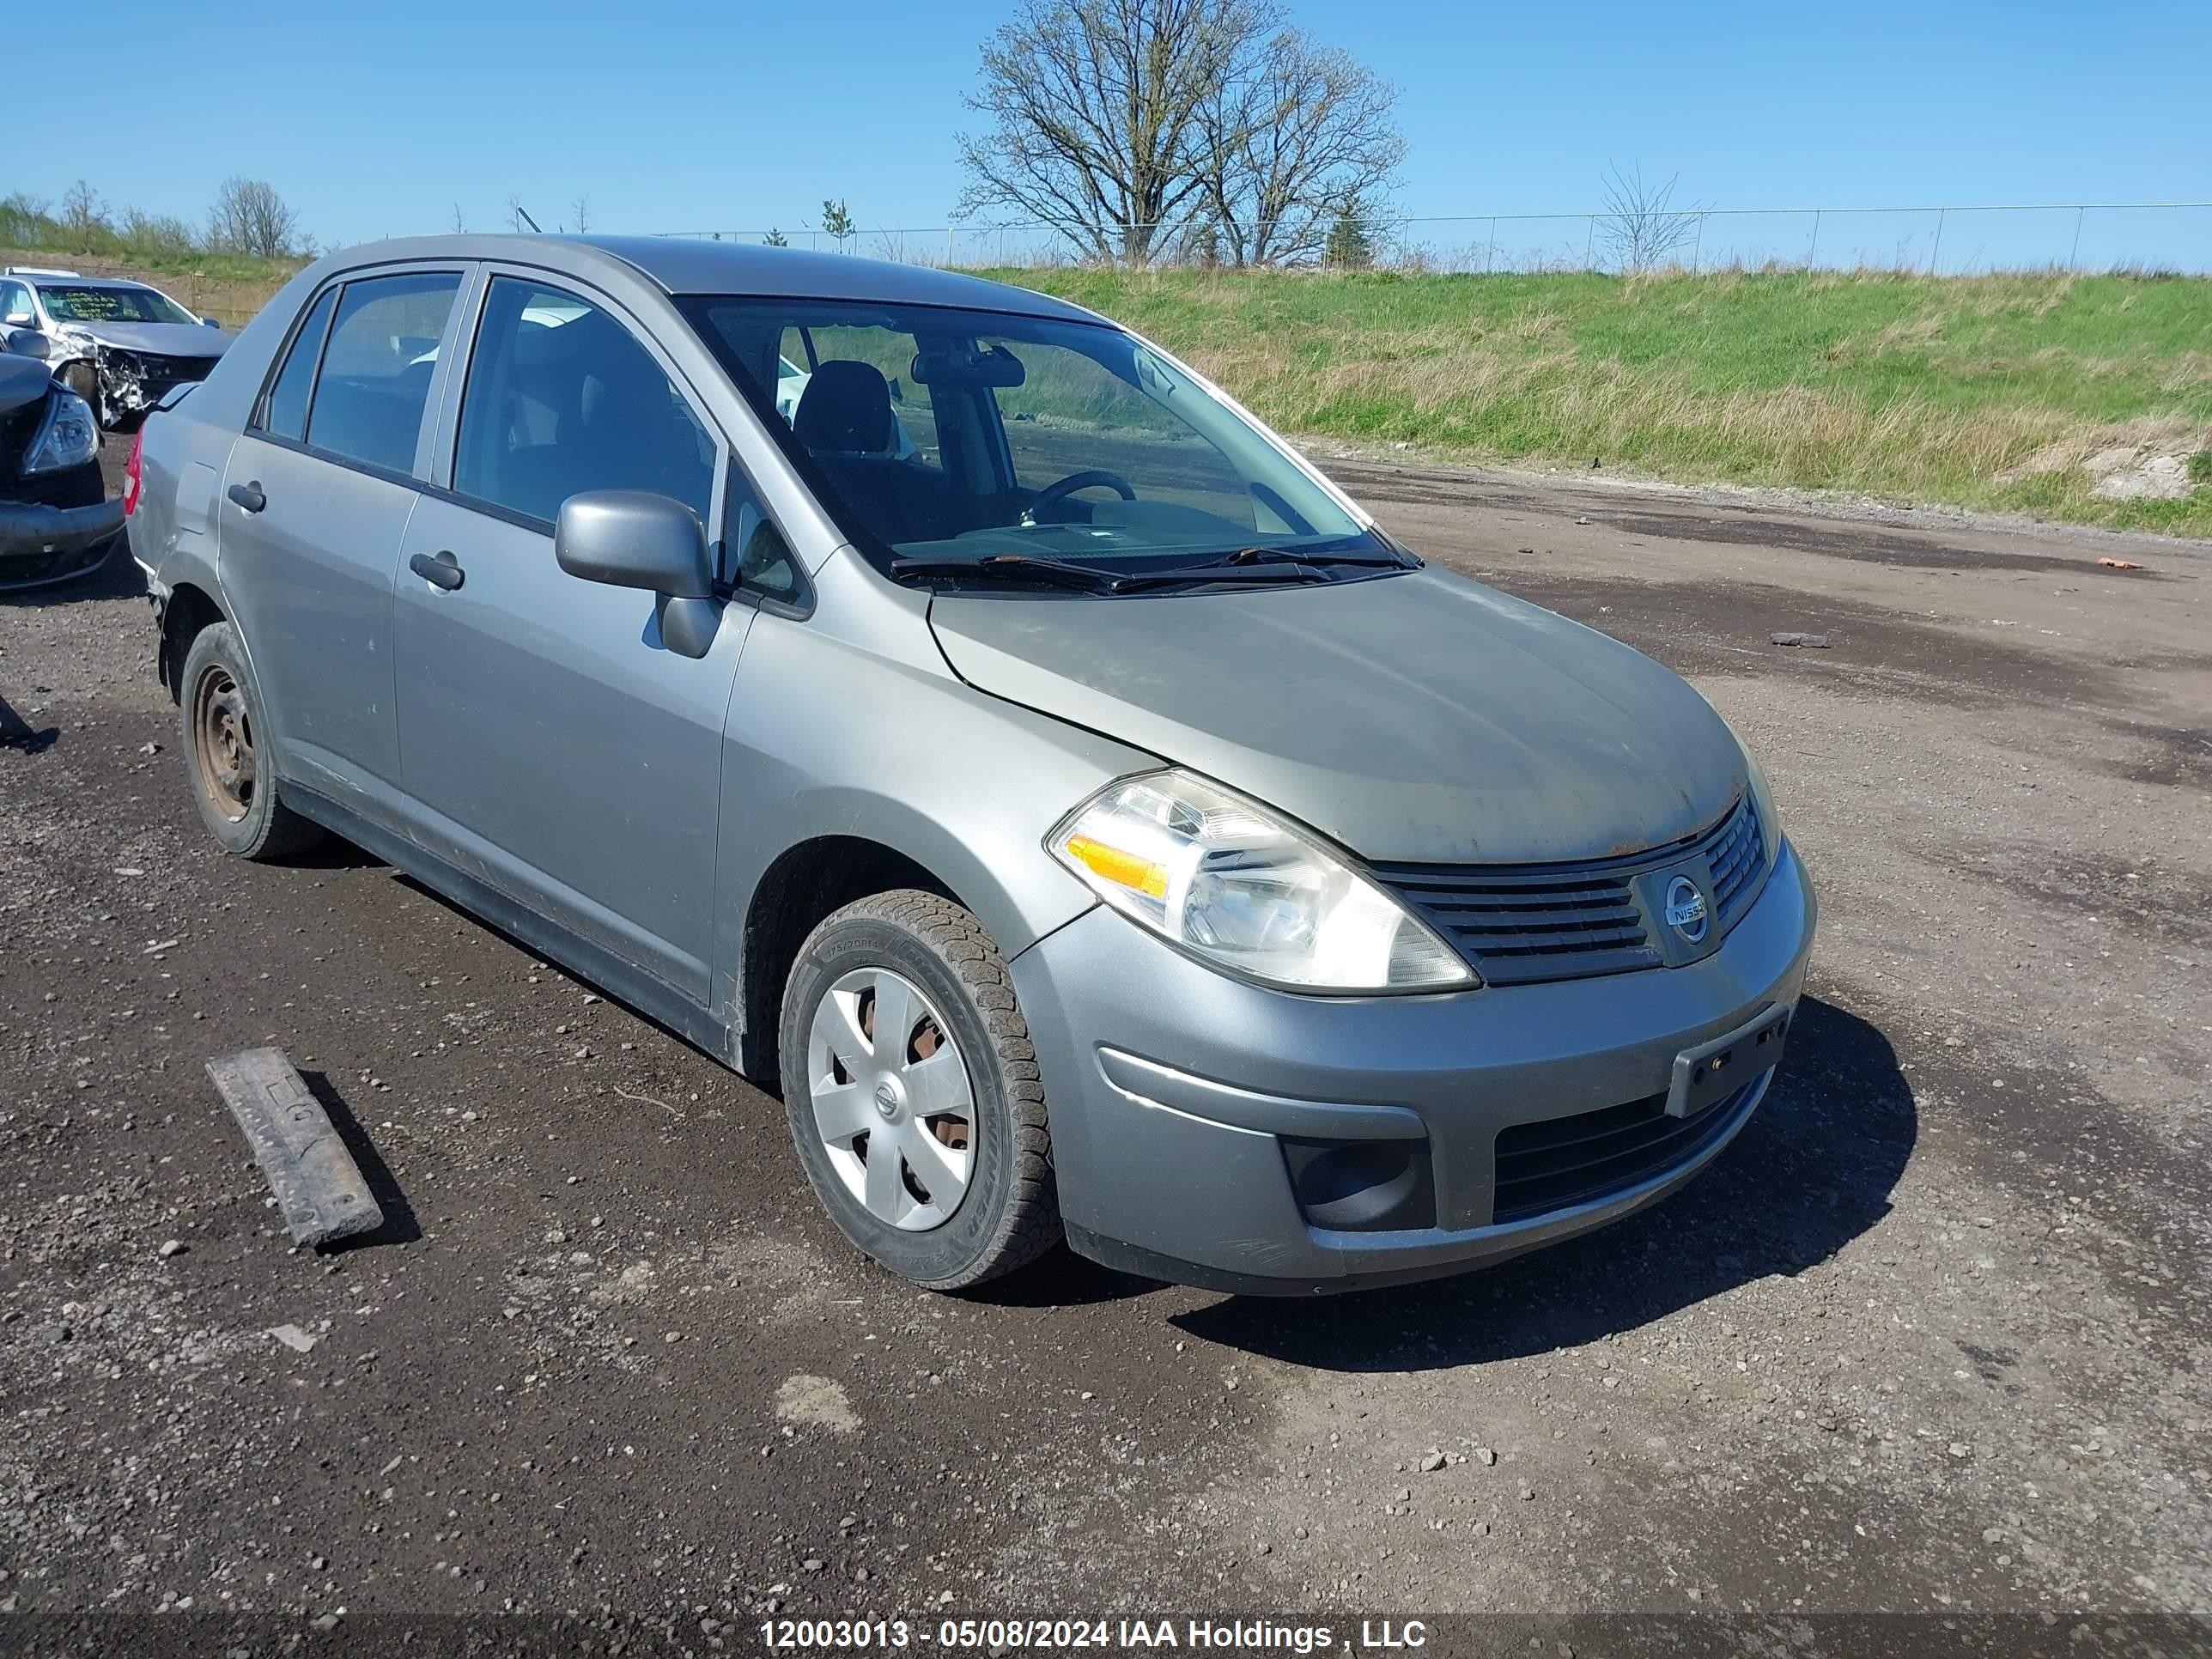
(131,479)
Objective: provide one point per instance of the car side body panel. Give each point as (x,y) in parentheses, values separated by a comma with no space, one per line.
(835,730)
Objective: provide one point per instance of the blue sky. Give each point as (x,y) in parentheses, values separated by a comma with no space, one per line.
(669,115)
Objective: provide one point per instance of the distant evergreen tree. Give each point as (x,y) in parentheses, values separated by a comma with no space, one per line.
(775,239)
(1351,247)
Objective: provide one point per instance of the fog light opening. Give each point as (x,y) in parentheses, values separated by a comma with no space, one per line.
(1361,1186)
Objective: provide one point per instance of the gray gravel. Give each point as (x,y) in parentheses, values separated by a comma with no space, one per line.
(1932,1336)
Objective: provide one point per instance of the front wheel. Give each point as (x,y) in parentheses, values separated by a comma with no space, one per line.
(83,378)
(914,1094)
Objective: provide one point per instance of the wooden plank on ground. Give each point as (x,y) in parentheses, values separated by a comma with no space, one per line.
(317,1184)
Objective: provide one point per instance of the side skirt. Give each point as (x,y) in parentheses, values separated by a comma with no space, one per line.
(661,1004)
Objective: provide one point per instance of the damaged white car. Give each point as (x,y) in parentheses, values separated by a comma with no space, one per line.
(117,344)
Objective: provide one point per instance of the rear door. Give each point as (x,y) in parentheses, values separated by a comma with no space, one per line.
(554,748)
(318,491)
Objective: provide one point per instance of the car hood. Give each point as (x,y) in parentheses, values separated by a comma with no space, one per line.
(22,380)
(1421,717)
(161,339)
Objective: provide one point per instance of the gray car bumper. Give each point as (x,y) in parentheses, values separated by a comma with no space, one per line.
(42,544)
(1173,1089)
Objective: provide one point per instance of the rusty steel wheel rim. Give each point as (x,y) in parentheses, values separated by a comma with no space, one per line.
(892,1099)
(222,741)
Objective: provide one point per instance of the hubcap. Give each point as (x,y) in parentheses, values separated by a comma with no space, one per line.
(223,735)
(893,1100)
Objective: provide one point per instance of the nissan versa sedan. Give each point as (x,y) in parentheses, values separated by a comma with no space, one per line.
(1090,820)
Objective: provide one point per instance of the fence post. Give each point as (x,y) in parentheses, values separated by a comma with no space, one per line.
(1815,246)
(1697,248)
(1490,259)
(1589,242)
(2074,253)
(1937,253)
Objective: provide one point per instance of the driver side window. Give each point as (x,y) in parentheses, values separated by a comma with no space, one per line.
(562,398)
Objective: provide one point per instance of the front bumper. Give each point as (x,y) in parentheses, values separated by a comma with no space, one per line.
(41,544)
(1172,1088)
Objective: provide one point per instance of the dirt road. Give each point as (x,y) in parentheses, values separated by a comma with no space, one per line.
(1932,1337)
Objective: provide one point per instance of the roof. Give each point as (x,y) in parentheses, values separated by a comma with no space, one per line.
(35,277)
(687,265)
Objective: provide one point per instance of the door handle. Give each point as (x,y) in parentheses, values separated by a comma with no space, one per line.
(249,495)
(440,569)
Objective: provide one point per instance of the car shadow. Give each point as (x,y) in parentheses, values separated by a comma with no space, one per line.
(399,1225)
(1812,1169)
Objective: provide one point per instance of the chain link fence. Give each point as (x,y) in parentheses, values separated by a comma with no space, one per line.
(1954,240)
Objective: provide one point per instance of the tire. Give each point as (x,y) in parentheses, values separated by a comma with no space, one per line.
(1006,1213)
(83,378)
(220,715)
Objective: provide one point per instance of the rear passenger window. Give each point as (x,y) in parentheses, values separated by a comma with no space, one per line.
(562,398)
(287,416)
(376,370)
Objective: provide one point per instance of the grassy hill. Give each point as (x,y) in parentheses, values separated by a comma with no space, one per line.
(2024,392)
(2087,398)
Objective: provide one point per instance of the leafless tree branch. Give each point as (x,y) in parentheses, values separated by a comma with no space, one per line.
(1131,126)
(1641,227)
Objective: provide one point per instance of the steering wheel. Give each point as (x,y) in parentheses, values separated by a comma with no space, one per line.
(1092,477)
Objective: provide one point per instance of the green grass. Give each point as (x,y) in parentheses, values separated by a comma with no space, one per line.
(211,281)
(2013,393)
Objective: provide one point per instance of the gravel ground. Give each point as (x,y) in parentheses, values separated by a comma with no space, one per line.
(1931,1338)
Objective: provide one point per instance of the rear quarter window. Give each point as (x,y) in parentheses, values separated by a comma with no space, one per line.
(377,367)
(285,416)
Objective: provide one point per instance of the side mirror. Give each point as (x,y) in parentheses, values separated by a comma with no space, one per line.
(210,322)
(634,539)
(28,343)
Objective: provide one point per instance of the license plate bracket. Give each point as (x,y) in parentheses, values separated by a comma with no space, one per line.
(1712,1071)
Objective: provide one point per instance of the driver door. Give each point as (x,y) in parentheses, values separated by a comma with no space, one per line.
(553,747)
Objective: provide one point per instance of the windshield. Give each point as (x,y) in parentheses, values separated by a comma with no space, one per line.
(111,305)
(939,436)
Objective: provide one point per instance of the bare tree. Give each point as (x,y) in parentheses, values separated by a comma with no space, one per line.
(460,224)
(582,207)
(518,216)
(1304,131)
(1097,116)
(155,233)
(83,215)
(1641,227)
(249,216)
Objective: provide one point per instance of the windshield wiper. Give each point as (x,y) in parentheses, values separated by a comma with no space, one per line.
(1020,567)
(1014,566)
(1292,555)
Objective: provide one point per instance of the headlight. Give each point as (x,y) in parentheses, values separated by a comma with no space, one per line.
(1222,878)
(68,436)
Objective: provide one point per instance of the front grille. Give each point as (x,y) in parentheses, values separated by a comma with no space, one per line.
(1736,858)
(1564,1161)
(1521,923)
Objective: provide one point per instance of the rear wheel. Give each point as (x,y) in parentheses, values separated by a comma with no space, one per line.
(913,1092)
(226,751)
